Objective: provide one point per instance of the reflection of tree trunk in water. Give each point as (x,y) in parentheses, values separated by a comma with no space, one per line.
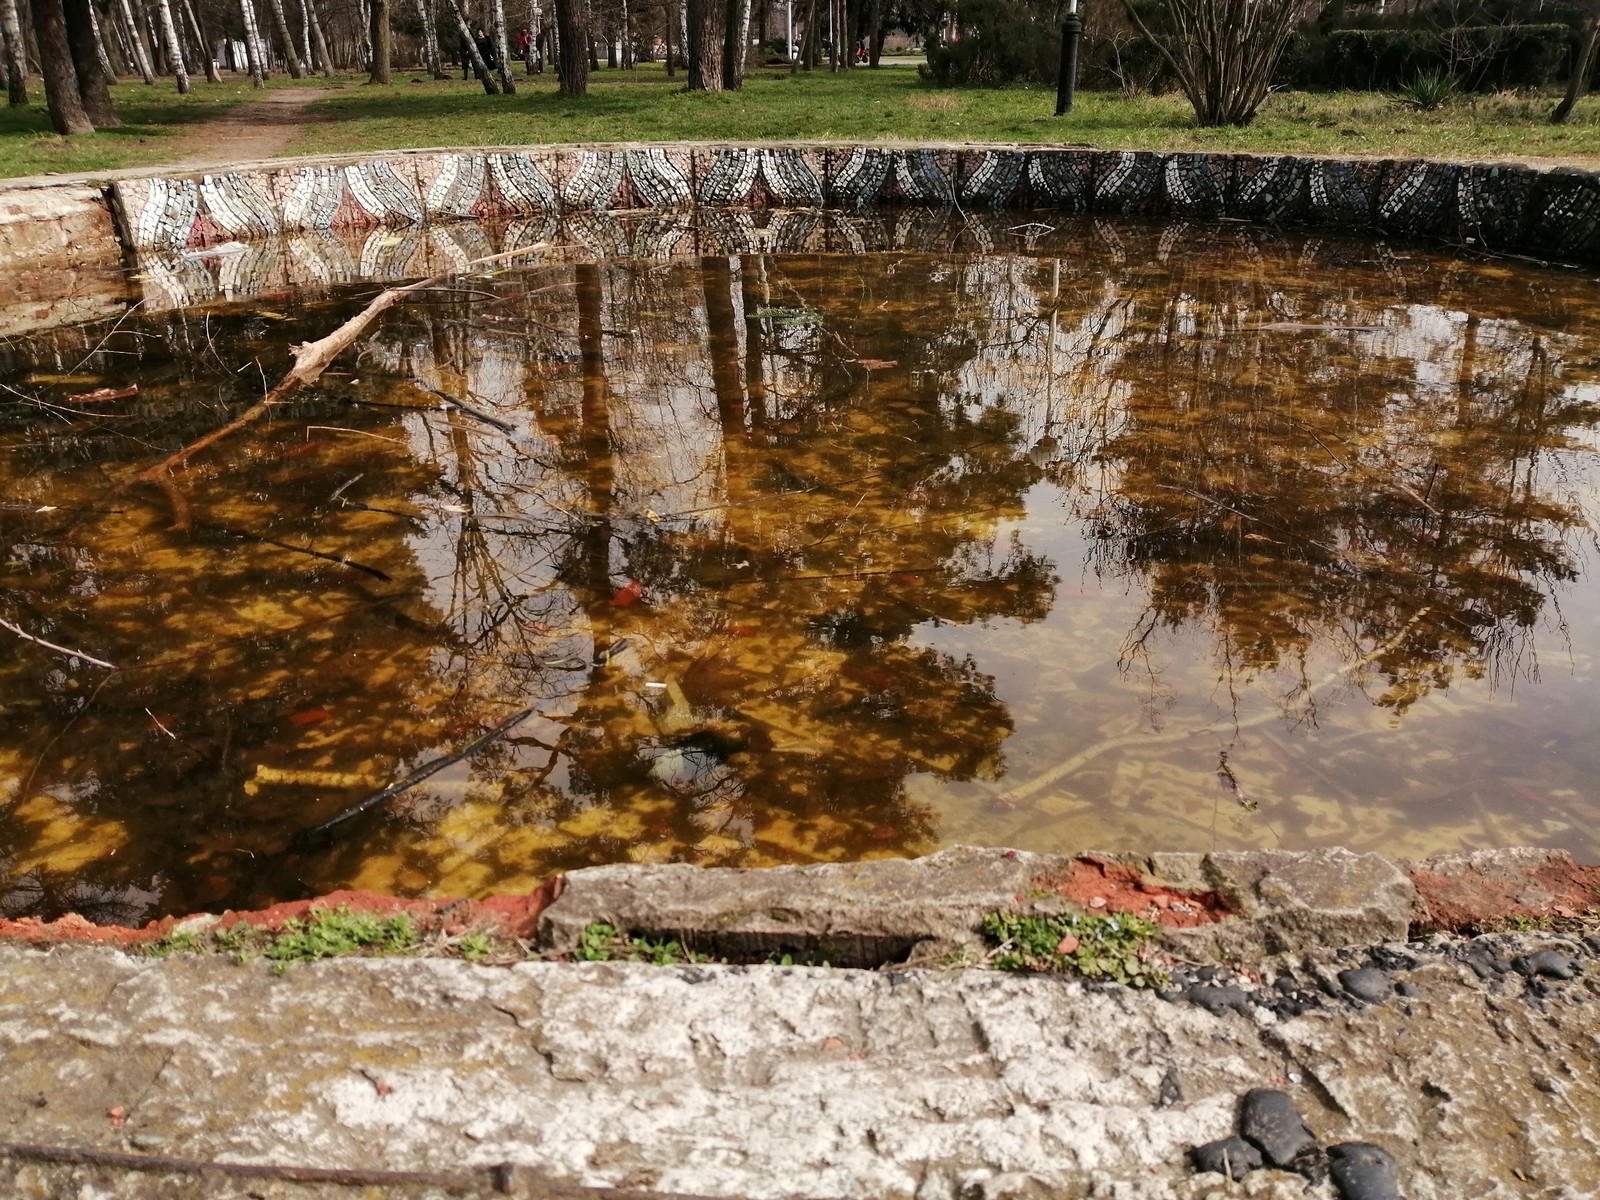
(722,340)
(594,440)
(750,268)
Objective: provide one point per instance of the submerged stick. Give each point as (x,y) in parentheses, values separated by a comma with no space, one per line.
(67,650)
(307,837)
(311,359)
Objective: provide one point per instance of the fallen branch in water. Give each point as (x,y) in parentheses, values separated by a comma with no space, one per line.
(67,650)
(311,359)
(309,837)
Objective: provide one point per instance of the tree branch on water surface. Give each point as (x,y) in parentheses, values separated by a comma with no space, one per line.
(67,650)
(311,359)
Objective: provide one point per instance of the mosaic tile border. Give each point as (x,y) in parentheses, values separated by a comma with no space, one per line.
(1553,213)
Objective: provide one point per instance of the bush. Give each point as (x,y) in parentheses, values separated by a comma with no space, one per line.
(1001,43)
(1479,57)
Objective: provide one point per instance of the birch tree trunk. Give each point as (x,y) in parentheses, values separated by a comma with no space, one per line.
(291,56)
(55,63)
(169,34)
(572,57)
(16,55)
(198,32)
(100,44)
(502,48)
(141,56)
(470,44)
(252,45)
(380,41)
(305,36)
(325,62)
(430,41)
(123,63)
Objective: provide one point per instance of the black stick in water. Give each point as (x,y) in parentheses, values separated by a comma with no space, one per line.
(310,837)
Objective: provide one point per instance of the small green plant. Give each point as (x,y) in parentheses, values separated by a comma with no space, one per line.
(1111,946)
(604,943)
(1429,90)
(179,942)
(328,933)
(1522,923)
(474,946)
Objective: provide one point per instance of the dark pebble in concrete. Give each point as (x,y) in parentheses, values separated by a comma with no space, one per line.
(1230,1156)
(1367,984)
(1218,1000)
(1408,990)
(1362,1171)
(1552,964)
(1592,944)
(1392,960)
(1270,1121)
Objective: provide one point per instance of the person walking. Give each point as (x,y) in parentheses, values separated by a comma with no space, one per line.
(486,49)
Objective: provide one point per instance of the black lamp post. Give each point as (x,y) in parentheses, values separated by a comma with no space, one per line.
(1067,82)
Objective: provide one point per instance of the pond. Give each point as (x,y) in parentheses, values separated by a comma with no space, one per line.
(1090,537)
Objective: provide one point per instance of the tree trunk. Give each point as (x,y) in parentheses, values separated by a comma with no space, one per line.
(735,43)
(291,56)
(198,32)
(874,33)
(572,32)
(705,44)
(141,54)
(430,42)
(671,12)
(93,89)
(628,61)
(305,36)
(321,43)
(502,48)
(123,65)
(169,35)
(55,64)
(1578,84)
(380,41)
(252,45)
(100,49)
(471,47)
(16,54)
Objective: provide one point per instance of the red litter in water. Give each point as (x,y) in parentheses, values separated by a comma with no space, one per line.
(309,717)
(628,593)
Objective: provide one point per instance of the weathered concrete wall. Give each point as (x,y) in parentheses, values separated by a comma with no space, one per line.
(1551,213)
(60,257)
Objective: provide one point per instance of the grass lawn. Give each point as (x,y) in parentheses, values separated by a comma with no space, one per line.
(891,103)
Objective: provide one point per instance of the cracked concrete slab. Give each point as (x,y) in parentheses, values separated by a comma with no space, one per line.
(775,1082)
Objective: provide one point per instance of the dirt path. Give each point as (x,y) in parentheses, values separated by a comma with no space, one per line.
(262,128)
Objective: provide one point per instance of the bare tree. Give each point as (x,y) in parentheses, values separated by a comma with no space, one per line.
(93,79)
(291,56)
(430,41)
(502,47)
(16,55)
(320,43)
(203,43)
(381,44)
(572,47)
(470,46)
(254,48)
(169,34)
(1223,52)
(67,114)
(141,53)
(1583,59)
(100,49)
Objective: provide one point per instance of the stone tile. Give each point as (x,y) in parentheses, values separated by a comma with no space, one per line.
(321,257)
(599,233)
(1564,216)
(730,231)
(1271,189)
(1343,192)
(243,205)
(524,184)
(160,213)
(658,176)
(1418,198)
(666,233)
(922,177)
(1129,182)
(1059,179)
(1197,185)
(390,255)
(856,176)
(990,178)
(386,191)
(1492,204)
(592,180)
(759,177)
(454,186)
(796,232)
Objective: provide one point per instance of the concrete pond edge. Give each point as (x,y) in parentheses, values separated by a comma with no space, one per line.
(1226,906)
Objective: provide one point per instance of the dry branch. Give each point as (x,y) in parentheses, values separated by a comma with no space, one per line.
(311,359)
(67,650)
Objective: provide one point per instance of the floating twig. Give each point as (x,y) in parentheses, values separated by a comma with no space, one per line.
(312,835)
(67,650)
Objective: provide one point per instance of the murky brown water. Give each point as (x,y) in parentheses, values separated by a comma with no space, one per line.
(1180,538)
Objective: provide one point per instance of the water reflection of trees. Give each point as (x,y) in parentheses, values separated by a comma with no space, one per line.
(701,515)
